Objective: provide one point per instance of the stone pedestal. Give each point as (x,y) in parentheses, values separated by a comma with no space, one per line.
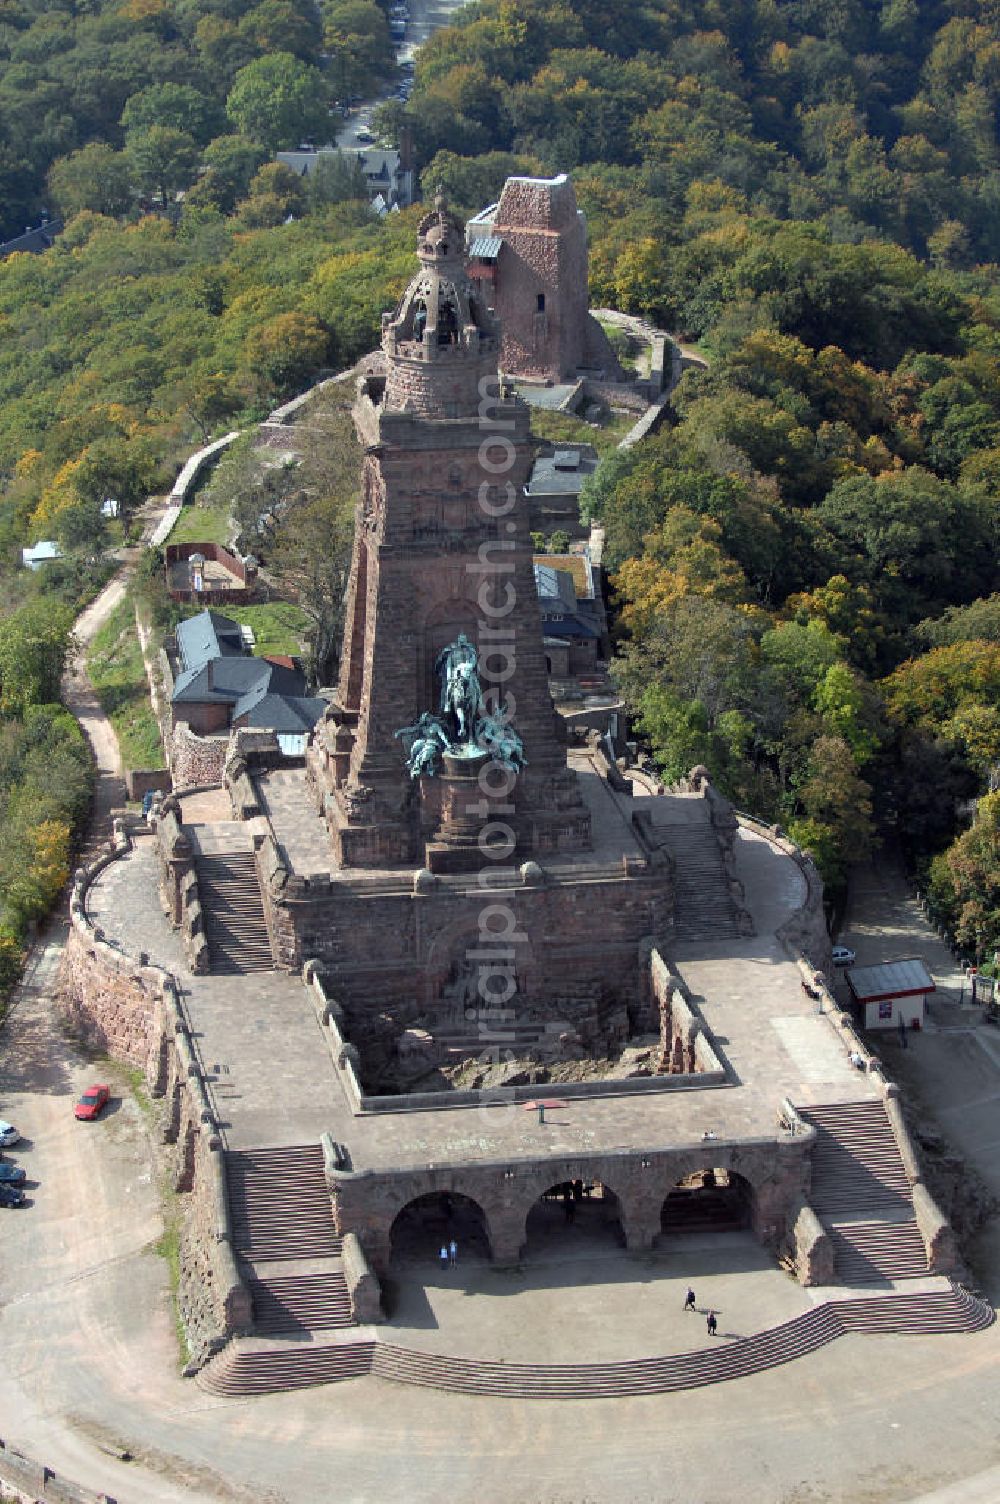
(469,836)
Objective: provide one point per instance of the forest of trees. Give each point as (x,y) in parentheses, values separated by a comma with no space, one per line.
(114,102)
(803,558)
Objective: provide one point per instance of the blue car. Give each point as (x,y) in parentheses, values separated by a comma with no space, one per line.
(11,1195)
(10,1174)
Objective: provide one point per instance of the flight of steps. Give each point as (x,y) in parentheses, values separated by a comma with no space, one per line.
(701,1211)
(255,1367)
(284,1234)
(300,1302)
(235,927)
(703,905)
(280,1204)
(860,1190)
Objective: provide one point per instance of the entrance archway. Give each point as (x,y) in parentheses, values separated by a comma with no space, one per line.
(710,1200)
(578,1215)
(427,1223)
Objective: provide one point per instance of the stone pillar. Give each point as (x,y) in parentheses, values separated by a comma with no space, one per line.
(506,1240)
(640,1218)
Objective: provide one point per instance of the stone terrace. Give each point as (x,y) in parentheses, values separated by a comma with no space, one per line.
(305,842)
(274,1082)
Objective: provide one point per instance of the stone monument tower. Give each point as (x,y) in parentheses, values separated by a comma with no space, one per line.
(441,583)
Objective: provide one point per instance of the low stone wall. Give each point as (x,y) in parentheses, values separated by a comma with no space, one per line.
(196,463)
(29,1482)
(362,1286)
(705,1069)
(133,1011)
(196,760)
(812,1248)
(140,781)
(633,398)
(940,1243)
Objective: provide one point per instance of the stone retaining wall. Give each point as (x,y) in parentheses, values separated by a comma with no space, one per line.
(133,1012)
(805,932)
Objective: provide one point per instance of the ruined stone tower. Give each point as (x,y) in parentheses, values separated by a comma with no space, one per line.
(441,548)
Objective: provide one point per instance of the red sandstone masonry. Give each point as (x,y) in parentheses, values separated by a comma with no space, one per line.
(132,1011)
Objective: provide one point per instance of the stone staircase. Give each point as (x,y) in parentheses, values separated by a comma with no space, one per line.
(280,1204)
(235,927)
(299,1302)
(703,905)
(254,1366)
(860,1190)
(282,1220)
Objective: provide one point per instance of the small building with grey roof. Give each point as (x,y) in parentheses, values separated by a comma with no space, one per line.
(219,686)
(892,994)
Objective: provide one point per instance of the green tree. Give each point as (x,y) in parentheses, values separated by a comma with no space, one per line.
(163,160)
(965,881)
(35,644)
(279,101)
(96,177)
(232,162)
(356,35)
(276,194)
(285,351)
(178,106)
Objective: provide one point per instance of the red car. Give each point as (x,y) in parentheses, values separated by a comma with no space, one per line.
(90,1104)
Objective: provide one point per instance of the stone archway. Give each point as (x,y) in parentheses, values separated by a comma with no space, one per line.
(709,1200)
(579,1214)
(425,1224)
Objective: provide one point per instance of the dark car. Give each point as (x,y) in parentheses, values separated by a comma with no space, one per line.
(11,1195)
(10,1174)
(91,1103)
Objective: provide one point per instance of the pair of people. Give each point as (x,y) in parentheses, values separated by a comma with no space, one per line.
(449,1254)
(711,1320)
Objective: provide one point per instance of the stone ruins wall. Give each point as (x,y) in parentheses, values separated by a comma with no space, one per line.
(132,1011)
(195,759)
(707,1069)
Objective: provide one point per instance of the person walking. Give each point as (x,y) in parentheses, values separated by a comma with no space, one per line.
(444,1256)
(453,1253)
(689,1304)
(712,1324)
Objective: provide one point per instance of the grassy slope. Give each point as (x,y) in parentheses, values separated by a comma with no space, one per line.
(119,676)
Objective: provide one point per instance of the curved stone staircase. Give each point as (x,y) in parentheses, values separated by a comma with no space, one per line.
(251,1366)
(861,1191)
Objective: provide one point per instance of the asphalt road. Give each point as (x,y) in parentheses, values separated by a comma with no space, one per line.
(425,18)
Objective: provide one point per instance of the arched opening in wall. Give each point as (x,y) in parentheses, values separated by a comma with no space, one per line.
(429,1223)
(576,1217)
(442,626)
(710,1200)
